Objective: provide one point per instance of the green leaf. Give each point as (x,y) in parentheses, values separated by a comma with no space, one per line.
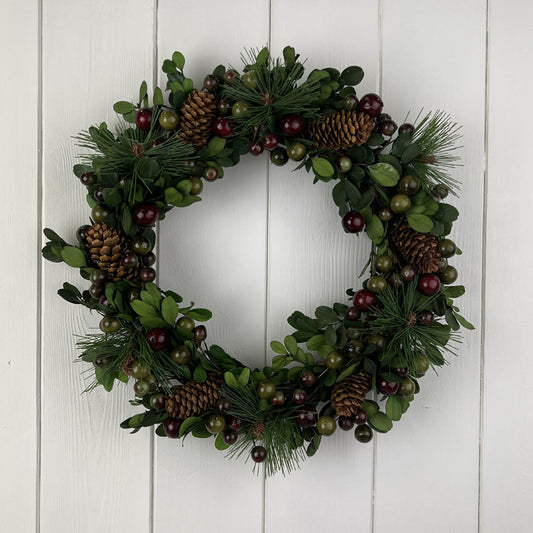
(263,57)
(322,167)
(73,256)
(380,422)
(277,347)
(169,68)
(153,322)
(451,319)
(352,75)
(384,174)
(324,350)
(188,424)
(326,314)
(446,213)
(244,377)
(148,168)
(179,60)
(330,378)
(387,158)
(158,97)
(375,230)
(353,193)
(219,442)
(231,380)
(330,335)
(464,322)
(81,169)
(291,344)
(315,342)
(184,186)
(289,56)
(169,310)
(370,407)
(143,91)
(200,432)
(454,291)
(142,308)
(420,223)
(54,237)
(199,374)
(394,407)
(215,146)
(127,221)
(347,372)
(153,290)
(410,153)
(313,445)
(199,314)
(123,107)
(281,361)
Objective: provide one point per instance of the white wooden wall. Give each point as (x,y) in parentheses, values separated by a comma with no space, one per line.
(263,243)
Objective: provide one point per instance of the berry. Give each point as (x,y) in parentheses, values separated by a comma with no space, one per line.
(408,273)
(230,436)
(377,284)
(99,213)
(278,399)
(385,214)
(141,388)
(147,274)
(109,324)
(104,301)
(215,424)
(443,263)
(145,214)
(139,370)
(270,141)
(180,354)
(334,360)
(401,372)
(168,120)
(388,127)
(141,245)
(102,362)
(363,300)
(426,318)
(196,185)
(446,248)
(211,174)
(306,417)
(230,76)
(224,106)
(344,164)
(363,433)
(428,284)
(371,104)
(240,108)
(326,425)
(279,157)
(421,365)
(187,323)
(200,333)
(387,387)
(307,378)
(379,341)
(440,191)
(153,144)
(98,195)
(81,232)
(355,348)
(291,125)
(87,178)
(249,80)
(350,102)
(256,148)
(98,277)
(407,387)
(148,259)
(130,260)
(211,82)
(266,389)
(157,339)
(258,454)
(157,401)
(223,405)
(352,314)
(346,423)
(296,151)
(400,203)
(360,417)
(236,423)
(353,222)
(143,119)
(171,426)
(449,275)
(406,128)
(409,185)
(299,396)
(222,127)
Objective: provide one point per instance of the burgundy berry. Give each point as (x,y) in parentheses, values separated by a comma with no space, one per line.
(388,127)
(426,318)
(308,378)
(360,417)
(352,314)
(270,141)
(363,300)
(278,399)
(211,82)
(428,284)
(104,301)
(98,195)
(224,106)
(200,333)
(371,104)
(402,372)
(172,427)
(346,423)
(256,148)
(147,274)
(299,396)
(408,273)
(223,405)
(307,416)
(291,125)
(230,76)
(157,339)
(406,128)
(353,222)
(210,174)
(230,436)
(236,423)
(148,259)
(387,387)
(87,178)
(145,214)
(222,127)
(258,454)
(156,142)
(143,119)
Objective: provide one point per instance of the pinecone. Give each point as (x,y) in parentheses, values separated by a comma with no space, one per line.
(196,116)
(194,398)
(348,394)
(418,249)
(342,130)
(127,364)
(107,248)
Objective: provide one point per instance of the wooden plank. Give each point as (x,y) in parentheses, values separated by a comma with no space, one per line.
(95,476)
(312,263)
(427,468)
(507,463)
(19,141)
(214,254)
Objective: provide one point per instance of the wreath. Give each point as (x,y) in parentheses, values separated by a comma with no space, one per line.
(389,182)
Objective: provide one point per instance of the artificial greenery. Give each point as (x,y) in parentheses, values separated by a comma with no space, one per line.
(388,181)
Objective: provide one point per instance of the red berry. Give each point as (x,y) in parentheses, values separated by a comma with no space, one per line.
(270,141)
(230,76)
(255,148)
(353,222)
(143,119)
(222,127)
(172,427)
(363,300)
(299,396)
(406,128)
(308,378)
(156,142)
(346,423)
(402,372)
(426,318)
(147,274)
(307,416)
(360,417)
(428,284)
(87,178)
(223,405)
(230,436)
(387,387)
(200,333)
(224,106)
(98,195)
(291,125)
(371,104)
(258,454)
(278,399)
(145,214)
(211,82)
(388,127)
(157,339)
(236,423)
(408,273)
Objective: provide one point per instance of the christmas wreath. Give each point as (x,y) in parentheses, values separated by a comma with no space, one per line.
(389,182)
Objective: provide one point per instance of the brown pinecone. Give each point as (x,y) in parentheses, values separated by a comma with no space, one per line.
(196,116)
(127,364)
(341,130)
(107,248)
(194,398)
(418,249)
(348,394)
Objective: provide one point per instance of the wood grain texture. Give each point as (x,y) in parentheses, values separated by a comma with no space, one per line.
(507,461)
(214,253)
(430,461)
(19,44)
(95,476)
(312,262)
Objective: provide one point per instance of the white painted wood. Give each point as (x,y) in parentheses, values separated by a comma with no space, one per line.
(19,219)
(427,467)
(507,463)
(95,476)
(312,263)
(214,253)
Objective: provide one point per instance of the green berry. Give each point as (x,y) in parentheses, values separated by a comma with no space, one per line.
(186,323)
(421,365)
(266,389)
(377,284)
(383,264)
(326,425)
(109,324)
(139,370)
(446,248)
(409,185)
(363,433)
(448,275)
(99,212)
(180,354)
(407,387)
(334,360)
(215,424)
(169,120)
(400,203)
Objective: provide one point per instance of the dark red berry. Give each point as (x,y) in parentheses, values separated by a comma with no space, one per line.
(299,396)
(346,423)
(406,128)
(278,399)
(307,378)
(147,274)
(210,174)
(256,148)
(428,284)
(270,141)
(143,119)
(258,454)
(363,300)
(157,401)
(172,427)
(230,436)
(130,260)
(387,387)
(230,76)
(360,417)
(402,372)
(157,339)
(104,301)
(156,142)
(291,125)
(211,82)
(235,423)
(408,273)
(223,405)
(353,222)
(224,106)
(388,127)
(222,127)
(148,259)
(87,178)
(371,104)
(98,195)
(307,416)
(200,333)
(145,214)
(352,314)
(426,318)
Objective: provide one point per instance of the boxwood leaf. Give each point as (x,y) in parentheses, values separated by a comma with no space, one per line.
(231,380)
(330,377)
(219,442)
(322,167)
(326,314)
(158,97)
(375,230)
(370,407)
(384,174)
(380,422)
(352,75)
(199,374)
(454,291)
(281,361)
(394,407)
(346,372)
(244,377)
(464,322)
(142,308)
(410,153)
(420,223)
(178,59)
(315,342)
(188,424)
(73,256)
(291,344)
(153,322)
(169,310)
(123,107)
(278,347)
(199,314)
